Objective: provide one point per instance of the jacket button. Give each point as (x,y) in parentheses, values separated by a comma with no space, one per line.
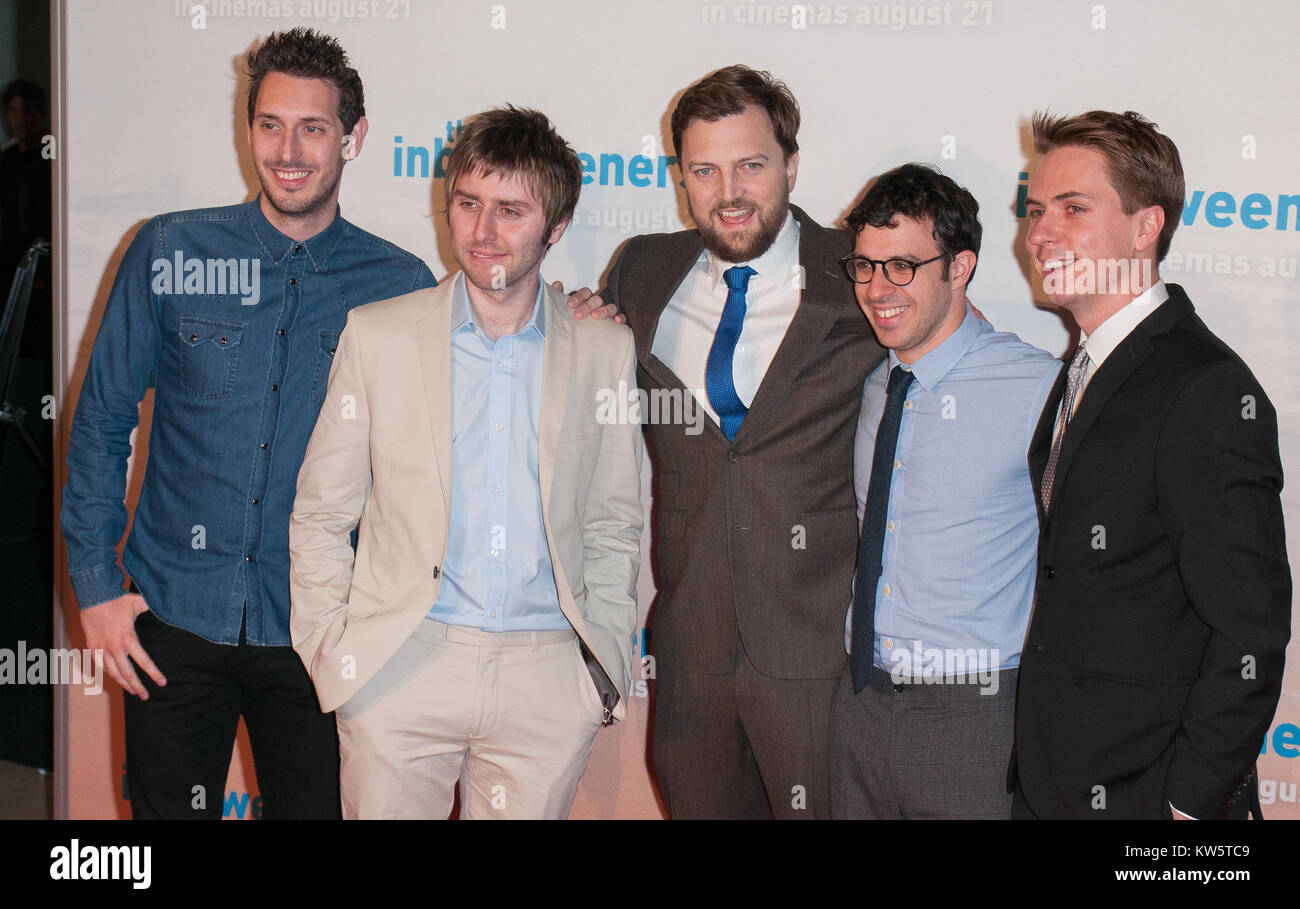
(733,456)
(1049,572)
(293,280)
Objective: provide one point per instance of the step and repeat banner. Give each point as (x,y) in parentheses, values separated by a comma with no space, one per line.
(155,121)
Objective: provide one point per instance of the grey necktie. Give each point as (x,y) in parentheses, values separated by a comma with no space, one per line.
(1073,380)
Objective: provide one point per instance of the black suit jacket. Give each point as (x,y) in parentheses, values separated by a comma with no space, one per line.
(1154,658)
(756,539)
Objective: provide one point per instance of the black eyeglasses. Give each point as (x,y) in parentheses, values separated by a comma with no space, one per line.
(899,272)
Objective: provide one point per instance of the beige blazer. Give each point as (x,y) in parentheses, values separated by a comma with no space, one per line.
(379,461)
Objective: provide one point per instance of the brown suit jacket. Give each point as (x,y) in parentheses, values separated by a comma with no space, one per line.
(756,539)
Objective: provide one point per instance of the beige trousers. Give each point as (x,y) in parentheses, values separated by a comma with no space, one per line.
(511,715)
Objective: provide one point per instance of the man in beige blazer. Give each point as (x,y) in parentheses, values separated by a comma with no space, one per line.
(483,630)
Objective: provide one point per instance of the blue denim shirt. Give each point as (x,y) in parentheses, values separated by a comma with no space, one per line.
(234,326)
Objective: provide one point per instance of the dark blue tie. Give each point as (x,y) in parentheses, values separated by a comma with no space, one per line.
(719,383)
(871,545)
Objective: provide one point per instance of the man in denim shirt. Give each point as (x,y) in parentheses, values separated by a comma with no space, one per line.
(232,316)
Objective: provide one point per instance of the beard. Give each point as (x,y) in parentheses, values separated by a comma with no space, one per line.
(298,205)
(731,246)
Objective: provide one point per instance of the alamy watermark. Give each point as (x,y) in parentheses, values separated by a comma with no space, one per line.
(208,277)
(55,666)
(75,862)
(1069,276)
(946,666)
(656,407)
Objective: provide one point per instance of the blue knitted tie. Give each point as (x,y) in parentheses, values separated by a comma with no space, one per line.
(719,383)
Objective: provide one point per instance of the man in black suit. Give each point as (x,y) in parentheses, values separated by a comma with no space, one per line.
(1154,658)
(749,318)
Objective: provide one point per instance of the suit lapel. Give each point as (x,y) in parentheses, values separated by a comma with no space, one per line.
(677,265)
(557,377)
(433,338)
(821,300)
(1121,363)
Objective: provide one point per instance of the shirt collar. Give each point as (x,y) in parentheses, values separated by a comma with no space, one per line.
(276,246)
(781,258)
(1108,335)
(462,314)
(931,368)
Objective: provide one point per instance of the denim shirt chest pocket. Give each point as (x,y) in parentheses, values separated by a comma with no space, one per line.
(209,355)
(329,341)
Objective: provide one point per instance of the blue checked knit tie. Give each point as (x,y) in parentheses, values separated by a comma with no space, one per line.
(871,545)
(719,383)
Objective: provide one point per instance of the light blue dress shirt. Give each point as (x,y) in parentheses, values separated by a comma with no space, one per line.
(497,574)
(961,533)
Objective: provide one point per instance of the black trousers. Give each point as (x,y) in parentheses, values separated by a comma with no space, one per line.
(179,742)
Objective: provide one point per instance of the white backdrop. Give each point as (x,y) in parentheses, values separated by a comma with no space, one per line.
(154,121)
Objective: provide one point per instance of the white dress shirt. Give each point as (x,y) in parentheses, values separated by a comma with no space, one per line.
(690,320)
(1102,342)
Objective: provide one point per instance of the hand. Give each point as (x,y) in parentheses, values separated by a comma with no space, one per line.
(585,303)
(110,627)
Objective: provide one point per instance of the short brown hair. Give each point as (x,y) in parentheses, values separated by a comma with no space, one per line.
(307,54)
(511,140)
(728,92)
(1143,163)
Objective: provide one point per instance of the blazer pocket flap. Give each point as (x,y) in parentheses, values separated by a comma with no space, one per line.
(1134,681)
(577,433)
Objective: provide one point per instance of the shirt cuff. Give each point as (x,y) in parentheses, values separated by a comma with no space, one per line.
(1184,814)
(98,585)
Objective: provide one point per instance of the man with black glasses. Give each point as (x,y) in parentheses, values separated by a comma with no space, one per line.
(922,723)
